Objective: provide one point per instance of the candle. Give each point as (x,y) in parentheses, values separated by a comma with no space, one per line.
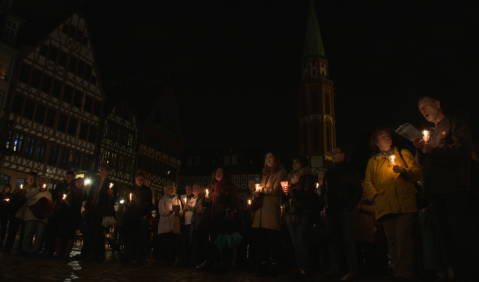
(122,201)
(391,159)
(131,195)
(185,200)
(249,202)
(317,185)
(257,188)
(426,136)
(64,196)
(207,192)
(111,185)
(21,186)
(44,186)
(87,181)
(7,199)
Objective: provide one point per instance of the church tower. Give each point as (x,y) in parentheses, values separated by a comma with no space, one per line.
(316,99)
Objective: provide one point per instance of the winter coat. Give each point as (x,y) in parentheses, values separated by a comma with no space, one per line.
(71,208)
(391,192)
(141,204)
(198,212)
(342,188)
(447,168)
(269,214)
(105,205)
(169,222)
(302,191)
(190,212)
(222,204)
(33,195)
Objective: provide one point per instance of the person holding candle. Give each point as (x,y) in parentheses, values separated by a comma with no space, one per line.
(33,225)
(222,201)
(267,219)
(69,217)
(170,210)
(298,199)
(186,201)
(197,246)
(137,221)
(17,202)
(446,161)
(100,203)
(393,190)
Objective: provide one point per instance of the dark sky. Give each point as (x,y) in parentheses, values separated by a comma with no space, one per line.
(235,65)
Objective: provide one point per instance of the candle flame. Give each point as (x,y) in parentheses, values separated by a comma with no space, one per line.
(44,185)
(111,185)
(64,196)
(249,202)
(131,195)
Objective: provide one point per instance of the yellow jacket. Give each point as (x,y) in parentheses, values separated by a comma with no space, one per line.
(392,193)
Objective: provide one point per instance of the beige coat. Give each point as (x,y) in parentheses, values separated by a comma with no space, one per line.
(169,222)
(33,195)
(269,215)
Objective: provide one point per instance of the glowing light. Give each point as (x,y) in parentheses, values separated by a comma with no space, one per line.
(426,136)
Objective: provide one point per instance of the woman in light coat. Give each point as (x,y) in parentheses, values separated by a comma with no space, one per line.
(34,225)
(170,212)
(390,177)
(267,219)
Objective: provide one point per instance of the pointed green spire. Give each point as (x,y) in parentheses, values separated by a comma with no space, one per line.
(313,45)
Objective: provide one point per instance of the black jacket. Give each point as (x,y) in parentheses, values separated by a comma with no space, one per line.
(342,188)
(303,193)
(106,203)
(221,202)
(141,204)
(447,168)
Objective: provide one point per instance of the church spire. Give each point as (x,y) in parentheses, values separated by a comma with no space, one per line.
(313,45)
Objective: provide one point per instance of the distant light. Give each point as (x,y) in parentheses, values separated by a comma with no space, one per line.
(122,201)
(87,181)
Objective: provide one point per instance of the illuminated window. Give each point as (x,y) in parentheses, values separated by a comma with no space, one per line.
(329,135)
(4,64)
(18,143)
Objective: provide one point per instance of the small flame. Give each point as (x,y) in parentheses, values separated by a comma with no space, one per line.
(249,202)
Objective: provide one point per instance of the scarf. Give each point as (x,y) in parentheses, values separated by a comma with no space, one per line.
(170,197)
(385,153)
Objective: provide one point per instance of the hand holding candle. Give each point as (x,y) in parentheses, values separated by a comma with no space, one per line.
(285,185)
(391,159)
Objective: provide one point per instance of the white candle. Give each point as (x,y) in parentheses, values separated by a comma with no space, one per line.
(391,159)
(249,202)
(7,199)
(131,195)
(426,136)
(317,185)
(64,196)
(111,185)
(207,192)
(44,186)
(257,188)
(185,200)
(21,186)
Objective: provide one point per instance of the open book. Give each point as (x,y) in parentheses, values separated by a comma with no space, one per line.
(409,132)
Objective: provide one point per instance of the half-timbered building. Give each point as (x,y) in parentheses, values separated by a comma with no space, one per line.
(56,104)
(161,140)
(118,145)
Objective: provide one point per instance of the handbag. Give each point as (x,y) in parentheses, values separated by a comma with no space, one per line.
(21,212)
(257,203)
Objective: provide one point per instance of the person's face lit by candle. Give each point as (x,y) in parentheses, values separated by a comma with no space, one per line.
(139,180)
(296,164)
(196,190)
(104,172)
(269,160)
(337,155)
(219,174)
(147,182)
(31,180)
(79,183)
(252,185)
(384,141)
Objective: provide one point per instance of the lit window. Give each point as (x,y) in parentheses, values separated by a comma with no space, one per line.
(227,160)
(11,30)
(234,160)
(4,64)
(18,143)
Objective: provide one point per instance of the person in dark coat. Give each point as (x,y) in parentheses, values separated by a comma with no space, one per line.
(298,197)
(69,216)
(4,211)
(137,220)
(100,203)
(220,201)
(446,160)
(340,194)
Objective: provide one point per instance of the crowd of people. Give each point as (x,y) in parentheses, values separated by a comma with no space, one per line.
(414,214)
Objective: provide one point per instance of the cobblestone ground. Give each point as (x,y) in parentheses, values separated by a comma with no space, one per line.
(40,268)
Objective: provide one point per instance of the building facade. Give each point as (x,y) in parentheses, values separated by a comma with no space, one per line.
(10,24)
(118,145)
(316,100)
(160,140)
(56,103)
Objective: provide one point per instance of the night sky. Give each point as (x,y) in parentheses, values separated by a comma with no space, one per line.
(235,65)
